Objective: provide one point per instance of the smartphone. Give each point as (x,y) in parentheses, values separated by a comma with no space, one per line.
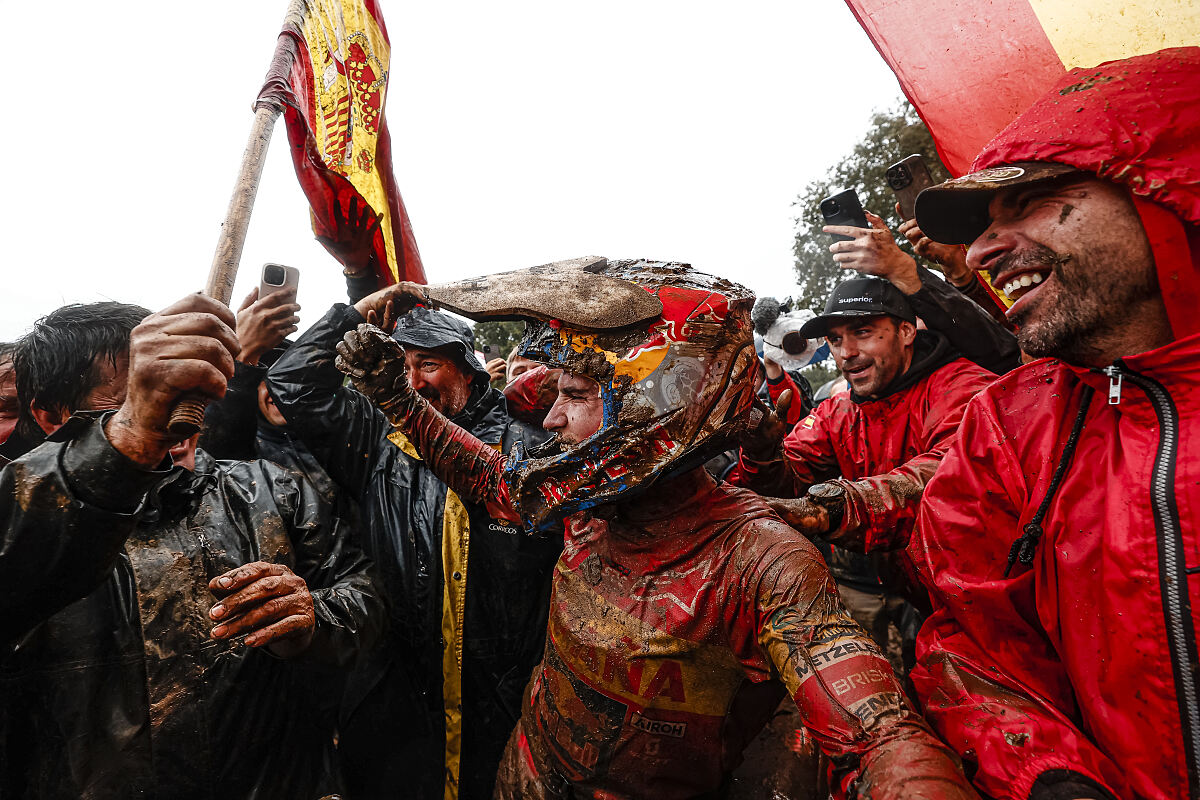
(277,277)
(843,208)
(909,177)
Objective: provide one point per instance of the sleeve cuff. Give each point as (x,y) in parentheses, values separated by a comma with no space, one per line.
(100,475)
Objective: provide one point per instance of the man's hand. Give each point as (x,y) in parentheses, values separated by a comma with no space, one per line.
(497,369)
(384,307)
(187,348)
(951,258)
(802,514)
(353,243)
(269,603)
(873,251)
(763,443)
(263,324)
(376,366)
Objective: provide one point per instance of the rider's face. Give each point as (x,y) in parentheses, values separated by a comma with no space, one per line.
(578,411)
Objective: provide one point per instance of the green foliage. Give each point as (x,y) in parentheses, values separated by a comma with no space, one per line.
(890,136)
(503,336)
(820,373)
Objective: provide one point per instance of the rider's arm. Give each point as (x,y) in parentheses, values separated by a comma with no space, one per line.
(844,687)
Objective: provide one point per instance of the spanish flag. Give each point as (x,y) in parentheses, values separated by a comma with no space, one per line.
(330,73)
(970,68)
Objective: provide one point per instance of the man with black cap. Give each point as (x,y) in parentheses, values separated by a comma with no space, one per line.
(428,712)
(852,472)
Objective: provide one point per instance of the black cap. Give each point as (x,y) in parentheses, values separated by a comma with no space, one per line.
(956,211)
(859,297)
(427,329)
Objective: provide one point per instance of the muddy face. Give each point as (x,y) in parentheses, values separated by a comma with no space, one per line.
(579,410)
(439,379)
(1074,257)
(871,352)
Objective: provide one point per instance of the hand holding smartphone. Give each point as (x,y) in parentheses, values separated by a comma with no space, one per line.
(277,277)
(843,208)
(908,178)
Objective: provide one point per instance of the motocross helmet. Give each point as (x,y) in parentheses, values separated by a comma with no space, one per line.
(671,348)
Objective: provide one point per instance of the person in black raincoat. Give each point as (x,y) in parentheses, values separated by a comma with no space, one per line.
(163,628)
(433,706)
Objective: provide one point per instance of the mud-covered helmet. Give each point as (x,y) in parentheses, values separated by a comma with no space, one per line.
(671,348)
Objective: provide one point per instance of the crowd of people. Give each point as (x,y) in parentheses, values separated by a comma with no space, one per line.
(598,567)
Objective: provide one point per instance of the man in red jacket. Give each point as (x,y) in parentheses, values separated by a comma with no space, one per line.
(1059,537)
(858,464)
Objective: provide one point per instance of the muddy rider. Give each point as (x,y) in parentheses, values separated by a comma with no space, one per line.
(683,610)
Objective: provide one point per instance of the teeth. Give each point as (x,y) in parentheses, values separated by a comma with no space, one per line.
(1026,280)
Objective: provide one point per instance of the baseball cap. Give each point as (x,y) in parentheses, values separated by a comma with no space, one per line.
(956,211)
(859,297)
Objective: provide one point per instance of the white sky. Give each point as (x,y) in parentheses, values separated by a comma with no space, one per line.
(523,132)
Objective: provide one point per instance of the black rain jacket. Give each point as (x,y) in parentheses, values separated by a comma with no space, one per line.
(400,722)
(110,686)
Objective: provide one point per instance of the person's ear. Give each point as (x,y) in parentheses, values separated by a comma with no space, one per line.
(267,407)
(48,420)
(908,332)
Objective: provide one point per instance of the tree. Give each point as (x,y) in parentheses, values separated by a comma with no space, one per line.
(892,135)
(501,335)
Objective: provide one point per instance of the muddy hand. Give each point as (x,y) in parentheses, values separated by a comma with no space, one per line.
(387,305)
(268,603)
(376,366)
(187,348)
(802,514)
(763,443)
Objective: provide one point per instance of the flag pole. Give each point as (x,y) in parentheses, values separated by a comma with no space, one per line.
(188,416)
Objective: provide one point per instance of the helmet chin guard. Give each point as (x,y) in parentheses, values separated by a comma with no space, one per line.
(678,387)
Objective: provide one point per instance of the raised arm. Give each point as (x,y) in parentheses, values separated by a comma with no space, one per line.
(474,470)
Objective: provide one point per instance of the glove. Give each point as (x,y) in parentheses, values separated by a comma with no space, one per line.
(376,366)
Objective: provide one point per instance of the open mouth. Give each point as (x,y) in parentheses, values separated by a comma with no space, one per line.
(1016,285)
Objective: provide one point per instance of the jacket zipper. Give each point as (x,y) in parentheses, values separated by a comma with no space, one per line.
(1172,571)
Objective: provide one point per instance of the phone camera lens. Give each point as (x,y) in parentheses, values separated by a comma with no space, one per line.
(274,275)
(831,207)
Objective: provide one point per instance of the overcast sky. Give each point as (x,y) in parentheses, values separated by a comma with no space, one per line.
(524,132)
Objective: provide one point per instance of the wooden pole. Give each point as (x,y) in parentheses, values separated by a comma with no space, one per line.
(188,416)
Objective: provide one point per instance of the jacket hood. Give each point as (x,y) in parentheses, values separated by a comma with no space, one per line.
(1135,122)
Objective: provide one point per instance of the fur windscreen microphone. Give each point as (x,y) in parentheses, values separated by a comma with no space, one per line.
(764,313)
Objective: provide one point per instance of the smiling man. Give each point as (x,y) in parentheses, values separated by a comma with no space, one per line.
(431,707)
(852,472)
(1060,535)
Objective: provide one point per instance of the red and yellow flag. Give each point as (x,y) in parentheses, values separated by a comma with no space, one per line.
(330,73)
(970,68)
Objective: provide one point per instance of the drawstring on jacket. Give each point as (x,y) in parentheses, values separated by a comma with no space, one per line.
(1026,545)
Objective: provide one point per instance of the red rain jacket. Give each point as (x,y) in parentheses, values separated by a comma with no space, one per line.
(1082,666)
(882,451)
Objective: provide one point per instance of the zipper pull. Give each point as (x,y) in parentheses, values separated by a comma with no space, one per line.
(1114,384)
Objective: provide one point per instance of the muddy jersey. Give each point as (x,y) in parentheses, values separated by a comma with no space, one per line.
(667,642)
(671,638)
